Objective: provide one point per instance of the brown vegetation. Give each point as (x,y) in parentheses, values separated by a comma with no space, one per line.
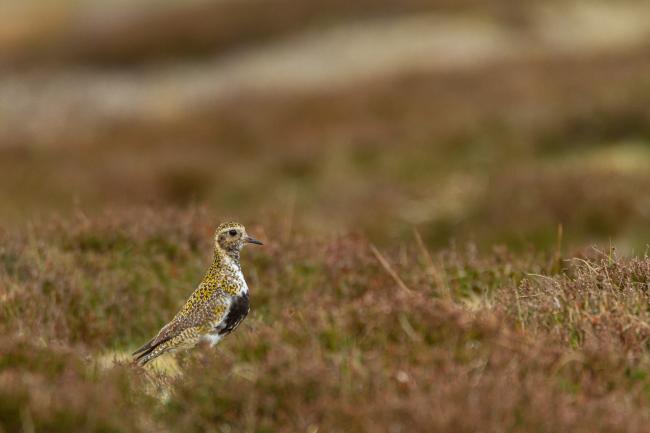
(488,341)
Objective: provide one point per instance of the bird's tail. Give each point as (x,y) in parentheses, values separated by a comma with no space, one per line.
(149,354)
(149,351)
(144,358)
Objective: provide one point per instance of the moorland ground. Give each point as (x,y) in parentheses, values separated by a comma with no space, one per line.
(452,244)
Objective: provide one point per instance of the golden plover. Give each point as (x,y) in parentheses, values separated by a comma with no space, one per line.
(216,307)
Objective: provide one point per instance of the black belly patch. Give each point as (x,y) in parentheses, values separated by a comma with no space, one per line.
(238,310)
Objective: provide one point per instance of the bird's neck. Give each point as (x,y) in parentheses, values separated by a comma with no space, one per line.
(224,257)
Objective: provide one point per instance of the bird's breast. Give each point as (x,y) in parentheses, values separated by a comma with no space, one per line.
(242,282)
(239,307)
(236,277)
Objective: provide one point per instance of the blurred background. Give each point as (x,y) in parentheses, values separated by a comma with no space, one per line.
(494,122)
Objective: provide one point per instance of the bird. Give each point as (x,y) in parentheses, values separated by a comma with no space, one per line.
(215,308)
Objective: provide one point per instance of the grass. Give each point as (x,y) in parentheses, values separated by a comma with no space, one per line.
(342,335)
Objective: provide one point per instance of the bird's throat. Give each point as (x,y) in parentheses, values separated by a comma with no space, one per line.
(222,255)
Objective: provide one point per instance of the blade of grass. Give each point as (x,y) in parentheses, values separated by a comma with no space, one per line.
(384,263)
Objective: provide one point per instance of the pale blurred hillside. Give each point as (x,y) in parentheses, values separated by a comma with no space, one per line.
(493,121)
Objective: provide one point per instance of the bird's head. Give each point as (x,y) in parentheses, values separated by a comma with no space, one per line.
(231,237)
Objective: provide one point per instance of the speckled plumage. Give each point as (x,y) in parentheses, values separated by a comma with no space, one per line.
(215,308)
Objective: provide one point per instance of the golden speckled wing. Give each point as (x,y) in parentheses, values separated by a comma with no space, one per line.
(204,309)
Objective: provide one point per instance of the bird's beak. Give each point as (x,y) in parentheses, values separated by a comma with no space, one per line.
(251,240)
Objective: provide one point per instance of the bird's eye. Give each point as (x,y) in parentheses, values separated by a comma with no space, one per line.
(232,232)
